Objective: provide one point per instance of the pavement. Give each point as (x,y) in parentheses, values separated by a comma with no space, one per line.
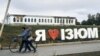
(59,49)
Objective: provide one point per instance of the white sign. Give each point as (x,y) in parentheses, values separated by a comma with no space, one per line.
(67,34)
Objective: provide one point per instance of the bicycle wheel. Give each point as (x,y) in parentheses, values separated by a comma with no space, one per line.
(14,46)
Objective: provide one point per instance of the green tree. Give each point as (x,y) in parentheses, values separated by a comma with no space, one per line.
(91,20)
(84,22)
(98,19)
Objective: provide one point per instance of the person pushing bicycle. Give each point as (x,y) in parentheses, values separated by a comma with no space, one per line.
(26,33)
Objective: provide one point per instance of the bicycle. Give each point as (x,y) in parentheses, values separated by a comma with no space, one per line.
(15,44)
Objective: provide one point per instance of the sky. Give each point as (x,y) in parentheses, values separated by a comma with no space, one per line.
(74,8)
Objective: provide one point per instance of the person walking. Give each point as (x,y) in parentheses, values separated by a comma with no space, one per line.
(24,35)
(30,41)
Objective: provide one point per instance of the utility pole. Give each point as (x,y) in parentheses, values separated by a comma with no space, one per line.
(3,23)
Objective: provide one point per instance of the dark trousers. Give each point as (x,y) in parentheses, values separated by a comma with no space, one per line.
(24,44)
(27,47)
(30,44)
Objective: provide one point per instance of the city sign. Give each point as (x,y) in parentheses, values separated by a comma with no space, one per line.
(67,34)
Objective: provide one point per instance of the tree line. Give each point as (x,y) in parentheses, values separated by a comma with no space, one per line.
(93,19)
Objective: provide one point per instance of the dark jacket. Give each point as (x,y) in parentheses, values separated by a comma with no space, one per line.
(25,34)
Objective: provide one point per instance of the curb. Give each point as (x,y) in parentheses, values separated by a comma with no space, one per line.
(69,43)
(64,43)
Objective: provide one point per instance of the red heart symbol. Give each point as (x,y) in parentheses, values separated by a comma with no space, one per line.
(53,33)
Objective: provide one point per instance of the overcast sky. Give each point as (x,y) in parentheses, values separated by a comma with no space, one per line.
(75,8)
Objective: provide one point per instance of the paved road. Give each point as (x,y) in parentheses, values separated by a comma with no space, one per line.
(57,50)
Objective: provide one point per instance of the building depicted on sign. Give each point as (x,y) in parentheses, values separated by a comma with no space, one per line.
(14,19)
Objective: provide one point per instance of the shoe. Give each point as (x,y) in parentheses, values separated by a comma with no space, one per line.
(23,51)
(29,51)
(34,50)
